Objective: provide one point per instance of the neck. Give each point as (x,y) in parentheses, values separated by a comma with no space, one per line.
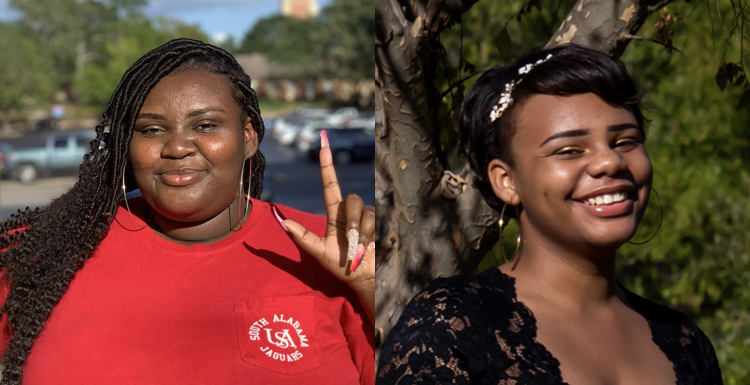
(576,279)
(210,230)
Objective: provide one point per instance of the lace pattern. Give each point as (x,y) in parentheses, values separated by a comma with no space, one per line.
(473,330)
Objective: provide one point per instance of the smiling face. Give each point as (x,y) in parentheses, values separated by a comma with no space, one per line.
(581,173)
(189,144)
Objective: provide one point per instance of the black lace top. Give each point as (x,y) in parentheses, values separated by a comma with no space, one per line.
(473,330)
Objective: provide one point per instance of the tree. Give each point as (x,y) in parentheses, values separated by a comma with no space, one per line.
(73,29)
(287,40)
(348,39)
(25,75)
(433,223)
(338,44)
(130,39)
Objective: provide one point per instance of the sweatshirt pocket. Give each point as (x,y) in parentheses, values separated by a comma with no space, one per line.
(278,333)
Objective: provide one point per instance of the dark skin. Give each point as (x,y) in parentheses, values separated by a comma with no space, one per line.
(187,151)
(581,150)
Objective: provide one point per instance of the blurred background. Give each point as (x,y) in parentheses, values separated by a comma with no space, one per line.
(311,63)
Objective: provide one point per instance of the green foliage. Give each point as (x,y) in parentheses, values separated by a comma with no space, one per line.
(90,43)
(698,140)
(73,29)
(289,41)
(130,40)
(26,73)
(349,35)
(338,44)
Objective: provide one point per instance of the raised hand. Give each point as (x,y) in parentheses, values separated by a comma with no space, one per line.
(348,248)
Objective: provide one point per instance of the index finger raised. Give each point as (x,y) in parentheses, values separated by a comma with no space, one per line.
(331,188)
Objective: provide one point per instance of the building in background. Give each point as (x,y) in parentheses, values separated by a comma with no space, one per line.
(301,9)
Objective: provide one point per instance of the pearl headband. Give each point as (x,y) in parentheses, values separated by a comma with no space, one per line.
(505,99)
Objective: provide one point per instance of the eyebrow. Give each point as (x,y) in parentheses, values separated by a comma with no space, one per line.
(191,114)
(584,132)
(148,115)
(202,111)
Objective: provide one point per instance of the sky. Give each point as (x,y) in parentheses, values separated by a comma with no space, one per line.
(217,18)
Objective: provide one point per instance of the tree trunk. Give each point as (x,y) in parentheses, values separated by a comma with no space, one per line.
(604,25)
(432,223)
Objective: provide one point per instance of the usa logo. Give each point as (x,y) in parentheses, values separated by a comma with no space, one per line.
(280,337)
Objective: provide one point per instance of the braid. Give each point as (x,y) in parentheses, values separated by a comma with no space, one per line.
(43,248)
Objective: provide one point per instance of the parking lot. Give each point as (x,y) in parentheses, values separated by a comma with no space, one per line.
(294,181)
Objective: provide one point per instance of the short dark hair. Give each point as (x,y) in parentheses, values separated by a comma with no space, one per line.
(571,70)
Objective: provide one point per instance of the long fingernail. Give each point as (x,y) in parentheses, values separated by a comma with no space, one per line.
(276,215)
(358,257)
(353,238)
(370,251)
(323,139)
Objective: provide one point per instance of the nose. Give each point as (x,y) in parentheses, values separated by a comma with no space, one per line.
(606,162)
(178,144)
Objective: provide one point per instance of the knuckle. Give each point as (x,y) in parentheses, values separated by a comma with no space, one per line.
(354,199)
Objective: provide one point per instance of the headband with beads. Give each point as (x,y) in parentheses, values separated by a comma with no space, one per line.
(505,99)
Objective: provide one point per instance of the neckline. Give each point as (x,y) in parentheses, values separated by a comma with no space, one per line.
(147,234)
(638,304)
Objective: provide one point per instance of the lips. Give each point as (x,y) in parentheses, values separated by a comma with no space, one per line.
(180,177)
(609,201)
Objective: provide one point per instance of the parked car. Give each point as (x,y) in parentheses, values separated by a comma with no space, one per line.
(364,119)
(342,116)
(312,112)
(47,154)
(5,149)
(286,129)
(347,144)
(310,133)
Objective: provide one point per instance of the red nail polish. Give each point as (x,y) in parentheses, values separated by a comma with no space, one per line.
(323,139)
(358,258)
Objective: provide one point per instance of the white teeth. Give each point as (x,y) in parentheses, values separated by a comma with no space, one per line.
(606,199)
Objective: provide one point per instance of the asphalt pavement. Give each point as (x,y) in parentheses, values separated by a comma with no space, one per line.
(294,181)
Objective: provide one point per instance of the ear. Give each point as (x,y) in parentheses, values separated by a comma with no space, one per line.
(503,182)
(251,139)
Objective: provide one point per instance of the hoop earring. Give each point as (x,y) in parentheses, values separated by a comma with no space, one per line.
(661,219)
(243,218)
(127,206)
(518,240)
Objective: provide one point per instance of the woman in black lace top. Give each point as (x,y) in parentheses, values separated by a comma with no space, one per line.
(557,141)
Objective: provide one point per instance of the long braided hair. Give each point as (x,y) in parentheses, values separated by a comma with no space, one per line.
(42,249)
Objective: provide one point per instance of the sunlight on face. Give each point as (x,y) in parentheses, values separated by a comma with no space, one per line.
(582,172)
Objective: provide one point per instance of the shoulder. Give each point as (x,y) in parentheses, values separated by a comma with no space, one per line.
(653,311)
(455,295)
(684,343)
(442,335)
(461,295)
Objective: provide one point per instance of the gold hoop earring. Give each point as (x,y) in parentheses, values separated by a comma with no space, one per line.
(127,206)
(518,240)
(661,219)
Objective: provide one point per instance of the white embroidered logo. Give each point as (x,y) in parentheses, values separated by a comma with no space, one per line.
(285,334)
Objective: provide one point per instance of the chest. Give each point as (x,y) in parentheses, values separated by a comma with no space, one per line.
(597,352)
(134,317)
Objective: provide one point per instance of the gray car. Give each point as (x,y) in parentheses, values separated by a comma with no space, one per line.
(59,152)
